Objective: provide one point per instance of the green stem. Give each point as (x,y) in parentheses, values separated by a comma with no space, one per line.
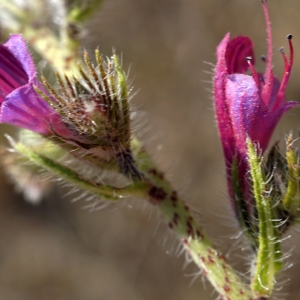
(82,10)
(212,264)
(62,54)
(192,237)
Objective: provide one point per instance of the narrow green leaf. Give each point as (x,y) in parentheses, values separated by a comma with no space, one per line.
(104,191)
(269,255)
(291,200)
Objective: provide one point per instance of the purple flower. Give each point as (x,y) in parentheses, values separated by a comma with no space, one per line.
(247,105)
(20,104)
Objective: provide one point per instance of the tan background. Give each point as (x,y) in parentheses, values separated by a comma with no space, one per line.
(59,251)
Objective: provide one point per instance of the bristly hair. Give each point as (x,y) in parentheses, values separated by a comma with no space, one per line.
(95,107)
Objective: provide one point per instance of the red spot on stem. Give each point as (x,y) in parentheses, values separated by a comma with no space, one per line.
(157,195)
(175,219)
(226,288)
(210,260)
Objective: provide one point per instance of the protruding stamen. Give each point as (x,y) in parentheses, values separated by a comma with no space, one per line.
(287,71)
(281,50)
(254,73)
(289,38)
(268,87)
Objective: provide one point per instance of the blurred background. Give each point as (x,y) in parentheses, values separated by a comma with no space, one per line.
(59,250)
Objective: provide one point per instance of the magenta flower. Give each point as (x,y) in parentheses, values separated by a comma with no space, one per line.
(20,104)
(247,105)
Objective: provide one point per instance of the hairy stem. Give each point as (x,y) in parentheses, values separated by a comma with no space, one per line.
(192,237)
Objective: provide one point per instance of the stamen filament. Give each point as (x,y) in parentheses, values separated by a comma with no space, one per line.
(281,50)
(287,72)
(254,73)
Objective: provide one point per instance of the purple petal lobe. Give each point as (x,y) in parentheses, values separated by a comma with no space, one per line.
(246,108)
(12,71)
(20,104)
(17,46)
(24,108)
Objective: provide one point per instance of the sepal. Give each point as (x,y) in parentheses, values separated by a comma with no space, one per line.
(247,222)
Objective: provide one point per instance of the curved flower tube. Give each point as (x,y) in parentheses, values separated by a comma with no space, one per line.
(247,105)
(20,104)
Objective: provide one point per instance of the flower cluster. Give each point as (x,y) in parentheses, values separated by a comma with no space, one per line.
(247,106)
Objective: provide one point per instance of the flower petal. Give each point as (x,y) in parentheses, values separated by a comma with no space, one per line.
(250,115)
(262,131)
(221,105)
(25,108)
(246,107)
(12,72)
(236,52)
(17,46)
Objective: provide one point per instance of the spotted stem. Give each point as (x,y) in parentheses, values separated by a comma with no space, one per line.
(180,220)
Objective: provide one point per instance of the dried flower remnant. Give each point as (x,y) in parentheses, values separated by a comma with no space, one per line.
(247,106)
(96,104)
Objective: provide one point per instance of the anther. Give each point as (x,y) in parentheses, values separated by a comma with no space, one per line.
(263,58)
(289,37)
(286,63)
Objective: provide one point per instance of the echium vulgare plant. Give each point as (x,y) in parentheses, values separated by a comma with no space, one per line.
(80,131)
